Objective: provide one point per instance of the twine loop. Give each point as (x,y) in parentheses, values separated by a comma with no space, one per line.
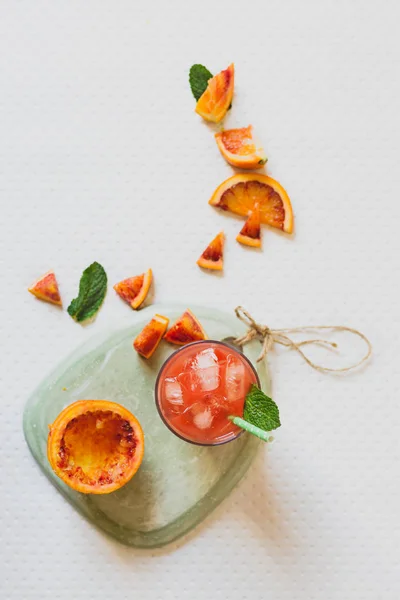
(268,337)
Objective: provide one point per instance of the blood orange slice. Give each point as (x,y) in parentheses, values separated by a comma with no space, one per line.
(213,256)
(250,234)
(95,446)
(149,338)
(135,289)
(238,148)
(46,288)
(240,193)
(214,103)
(186,329)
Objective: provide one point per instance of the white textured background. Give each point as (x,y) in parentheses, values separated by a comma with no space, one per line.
(102,158)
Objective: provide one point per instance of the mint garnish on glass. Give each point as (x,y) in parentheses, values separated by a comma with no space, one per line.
(260,415)
(92,290)
(199,77)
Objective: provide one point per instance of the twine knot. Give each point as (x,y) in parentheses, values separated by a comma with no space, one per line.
(268,337)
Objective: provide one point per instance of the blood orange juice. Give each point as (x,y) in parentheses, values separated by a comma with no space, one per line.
(199,386)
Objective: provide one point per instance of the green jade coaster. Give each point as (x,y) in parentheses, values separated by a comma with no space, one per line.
(178,483)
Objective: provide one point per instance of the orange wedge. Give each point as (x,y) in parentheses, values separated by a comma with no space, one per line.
(151,335)
(186,329)
(213,256)
(250,234)
(238,148)
(46,288)
(239,194)
(214,103)
(135,289)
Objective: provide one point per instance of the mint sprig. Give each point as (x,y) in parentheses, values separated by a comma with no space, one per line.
(92,290)
(260,414)
(199,77)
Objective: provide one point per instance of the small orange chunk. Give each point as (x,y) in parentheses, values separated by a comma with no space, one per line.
(151,335)
(186,329)
(250,234)
(240,193)
(216,100)
(238,148)
(213,256)
(135,289)
(46,288)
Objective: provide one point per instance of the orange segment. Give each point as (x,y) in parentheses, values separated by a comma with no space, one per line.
(238,148)
(186,329)
(95,446)
(217,98)
(250,234)
(151,335)
(46,288)
(239,194)
(213,256)
(135,289)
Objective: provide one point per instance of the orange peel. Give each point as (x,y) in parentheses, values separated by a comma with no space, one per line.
(95,446)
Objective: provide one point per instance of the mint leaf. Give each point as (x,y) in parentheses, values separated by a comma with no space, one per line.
(73,307)
(198,79)
(92,289)
(260,410)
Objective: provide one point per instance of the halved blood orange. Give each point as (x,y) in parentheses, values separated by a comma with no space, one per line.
(214,103)
(186,329)
(151,335)
(135,289)
(238,148)
(213,256)
(46,288)
(250,234)
(240,193)
(95,446)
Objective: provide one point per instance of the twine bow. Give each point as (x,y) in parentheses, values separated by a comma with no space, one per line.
(269,337)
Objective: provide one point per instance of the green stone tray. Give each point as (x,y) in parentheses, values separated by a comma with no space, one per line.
(178,484)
